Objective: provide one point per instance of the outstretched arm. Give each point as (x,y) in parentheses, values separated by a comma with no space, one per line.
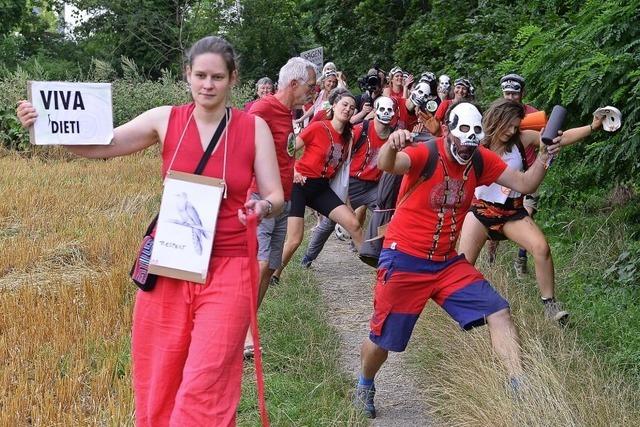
(390,158)
(526,182)
(141,132)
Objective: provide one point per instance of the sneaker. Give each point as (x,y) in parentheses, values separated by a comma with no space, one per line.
(492,251)
(274,281)
(553,310)
(516,387)
(306,262)
(352,247)
(341,233)
(520,264)
(363,400)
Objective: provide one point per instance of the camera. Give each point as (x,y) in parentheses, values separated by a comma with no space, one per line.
(370,83)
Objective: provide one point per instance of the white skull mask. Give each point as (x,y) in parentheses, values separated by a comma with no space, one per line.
(384,109)
(420,95)
(465,124)
(444,83)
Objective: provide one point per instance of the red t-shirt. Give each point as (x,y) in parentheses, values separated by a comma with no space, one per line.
(429,221)
(279,120)
(442,109)
(319,116)
(364,162)
(406,119)
(231,236)
(324,150)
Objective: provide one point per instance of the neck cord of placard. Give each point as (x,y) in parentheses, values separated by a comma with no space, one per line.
(441,212)
(227,115)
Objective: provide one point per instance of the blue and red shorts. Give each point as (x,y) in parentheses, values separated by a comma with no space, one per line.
(404,285)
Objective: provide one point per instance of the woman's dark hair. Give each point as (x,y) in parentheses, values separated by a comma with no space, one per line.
(336,95)
(213,44)
(497,118)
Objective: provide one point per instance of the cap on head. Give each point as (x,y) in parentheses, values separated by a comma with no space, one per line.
(395,70)
(512,83)
(462,82)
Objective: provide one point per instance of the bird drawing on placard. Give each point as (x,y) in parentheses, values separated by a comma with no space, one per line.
(189,217)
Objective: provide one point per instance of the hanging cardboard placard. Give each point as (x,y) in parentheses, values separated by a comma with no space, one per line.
(186,226)
(71,113)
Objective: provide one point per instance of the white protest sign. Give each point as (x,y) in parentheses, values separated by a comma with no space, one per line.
(186,226)
(314,56)
(71,113)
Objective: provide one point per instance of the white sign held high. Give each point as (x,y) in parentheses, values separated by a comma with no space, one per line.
(71,113)
(315,56)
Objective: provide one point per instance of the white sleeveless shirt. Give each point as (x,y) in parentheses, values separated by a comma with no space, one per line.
(495,193)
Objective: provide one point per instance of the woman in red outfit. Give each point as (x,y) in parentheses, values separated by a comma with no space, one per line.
(187,338)
(326,145)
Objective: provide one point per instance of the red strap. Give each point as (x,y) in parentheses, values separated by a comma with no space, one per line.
(252,244)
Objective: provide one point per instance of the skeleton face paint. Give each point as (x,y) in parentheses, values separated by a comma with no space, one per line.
(384,109)
(465,126)
(444,83)
(420,95)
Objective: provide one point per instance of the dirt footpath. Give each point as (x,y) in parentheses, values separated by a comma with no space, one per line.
(346,285)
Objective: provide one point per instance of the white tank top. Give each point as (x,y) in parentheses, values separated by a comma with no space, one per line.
(495,193)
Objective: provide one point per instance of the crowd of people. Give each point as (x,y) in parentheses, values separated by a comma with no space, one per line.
(464,178)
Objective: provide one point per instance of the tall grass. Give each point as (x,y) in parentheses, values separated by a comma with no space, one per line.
(566,383)
(69,229)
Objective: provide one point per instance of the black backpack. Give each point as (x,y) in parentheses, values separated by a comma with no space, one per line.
(388,189)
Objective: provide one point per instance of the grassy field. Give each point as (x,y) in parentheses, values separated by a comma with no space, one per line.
(568,384)
(68,232)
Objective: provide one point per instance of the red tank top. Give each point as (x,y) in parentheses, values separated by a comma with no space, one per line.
(230,238)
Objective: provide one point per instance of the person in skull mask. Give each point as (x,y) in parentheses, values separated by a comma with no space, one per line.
(419,262)
(363,172)
(460,91)
(422,105)
(444,87)
(372,89)
(497,210)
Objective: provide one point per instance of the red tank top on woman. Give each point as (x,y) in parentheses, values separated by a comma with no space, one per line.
(230,238)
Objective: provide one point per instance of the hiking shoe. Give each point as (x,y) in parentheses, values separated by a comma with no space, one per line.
(274,281)
(306,262)
(363,400)
(516,387)
(492,250)
(520,265)
(553,310)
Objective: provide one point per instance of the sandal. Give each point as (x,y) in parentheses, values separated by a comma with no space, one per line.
(249,351)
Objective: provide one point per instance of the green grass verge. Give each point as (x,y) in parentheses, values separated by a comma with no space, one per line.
(305,385)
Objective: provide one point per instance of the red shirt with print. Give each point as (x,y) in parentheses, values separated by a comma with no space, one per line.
(364,162)
(324,150)
(428,223)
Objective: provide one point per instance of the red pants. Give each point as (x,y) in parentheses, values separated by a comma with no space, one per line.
(187,345)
